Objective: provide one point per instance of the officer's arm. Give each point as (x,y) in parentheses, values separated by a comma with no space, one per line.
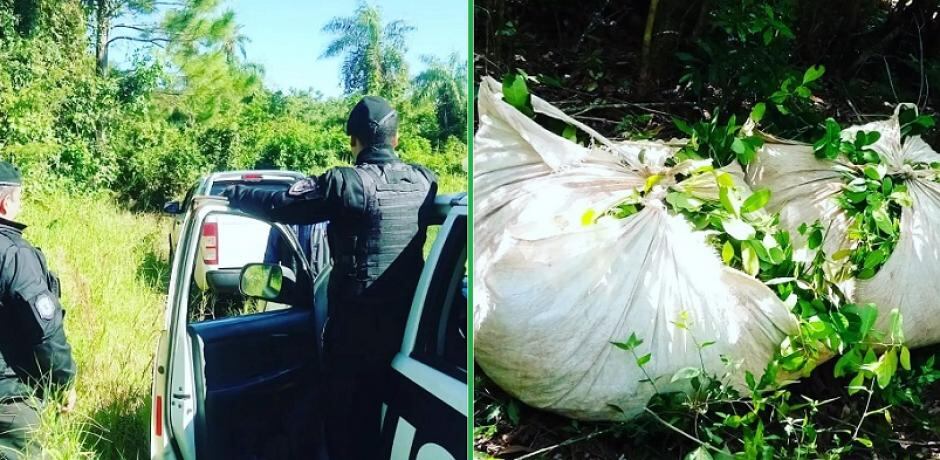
(38,315)
(426,213)
(310,200)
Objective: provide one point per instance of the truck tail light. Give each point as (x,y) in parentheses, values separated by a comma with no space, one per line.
(251,177)
(158,416)
(210,242)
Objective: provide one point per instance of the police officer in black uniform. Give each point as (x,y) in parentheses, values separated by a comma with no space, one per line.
(35,356)
(377,230)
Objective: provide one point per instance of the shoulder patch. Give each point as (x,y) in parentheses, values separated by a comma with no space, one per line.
(45,306)
(302,187)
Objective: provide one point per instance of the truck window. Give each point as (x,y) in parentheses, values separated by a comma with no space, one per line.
(442,336)
(230,243)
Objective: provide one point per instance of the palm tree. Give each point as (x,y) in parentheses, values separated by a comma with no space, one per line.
(445,84)
(373,54)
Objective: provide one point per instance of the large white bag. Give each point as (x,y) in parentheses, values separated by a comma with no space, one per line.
(551,294)
(805,189)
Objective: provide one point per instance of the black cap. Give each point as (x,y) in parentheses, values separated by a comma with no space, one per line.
(372,121)
(10,174)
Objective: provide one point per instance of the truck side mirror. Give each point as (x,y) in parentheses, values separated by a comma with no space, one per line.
(266,282)
(172,207)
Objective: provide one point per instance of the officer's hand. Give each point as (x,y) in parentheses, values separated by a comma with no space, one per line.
(69,401)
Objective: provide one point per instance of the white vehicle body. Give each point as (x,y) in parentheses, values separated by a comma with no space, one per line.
(424,416)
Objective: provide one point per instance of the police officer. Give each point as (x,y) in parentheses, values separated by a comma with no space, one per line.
(376,235)
(35,356)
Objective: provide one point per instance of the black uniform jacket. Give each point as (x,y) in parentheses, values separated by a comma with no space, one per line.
(334,196)
(34,352)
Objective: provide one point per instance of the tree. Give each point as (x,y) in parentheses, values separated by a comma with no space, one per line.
(373,54)
(103,12)
(203,50)
(444,83)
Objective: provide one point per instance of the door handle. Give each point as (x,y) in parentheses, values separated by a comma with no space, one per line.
(181,396)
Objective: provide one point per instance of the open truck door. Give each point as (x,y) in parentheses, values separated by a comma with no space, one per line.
(424,413)
(241,378)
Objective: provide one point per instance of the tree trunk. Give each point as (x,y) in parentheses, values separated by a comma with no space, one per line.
(700,22)
(102,32)
(645,83)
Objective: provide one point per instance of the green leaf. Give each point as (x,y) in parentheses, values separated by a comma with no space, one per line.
(874,258)
(588,217)
(867,314)
(857,383)
(515,91)
(626,210)
(512,411)
(757,113)
(848,362)
(729,200)
(749,258)
(680,200)
(905,358)
(738,146)
(651,182)
(875,172)
(570,133)
(644,359)
(732,421)
(727,252)
(815,238)
(725,180)
(738,229)
(887,366)
(757,200)
(841,254)
(631,343)
(699,454)
(864,441)
(882,220)
(685,373)
(682,125)
(813,73)
(777,98)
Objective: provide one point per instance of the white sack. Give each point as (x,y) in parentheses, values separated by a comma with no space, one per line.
(551,294)
(805,188)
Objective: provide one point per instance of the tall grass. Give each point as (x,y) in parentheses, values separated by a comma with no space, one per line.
(113,269)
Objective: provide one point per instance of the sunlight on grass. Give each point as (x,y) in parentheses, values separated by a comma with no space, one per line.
(113,269)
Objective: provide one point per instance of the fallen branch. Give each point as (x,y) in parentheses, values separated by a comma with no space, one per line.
(565,443)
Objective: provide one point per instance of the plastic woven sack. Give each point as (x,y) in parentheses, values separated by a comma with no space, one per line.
(805,189)
(551,293)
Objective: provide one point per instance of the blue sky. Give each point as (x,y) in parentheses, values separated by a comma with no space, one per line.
(286,36)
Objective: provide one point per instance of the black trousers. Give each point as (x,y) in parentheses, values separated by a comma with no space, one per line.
(18,423)
(354,415)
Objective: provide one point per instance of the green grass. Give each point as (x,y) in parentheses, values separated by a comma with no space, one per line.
(113,269)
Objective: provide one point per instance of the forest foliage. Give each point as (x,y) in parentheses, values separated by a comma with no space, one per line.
(191,102)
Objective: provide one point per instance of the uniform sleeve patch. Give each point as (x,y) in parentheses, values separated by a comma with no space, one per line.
(302,187)
(45,306)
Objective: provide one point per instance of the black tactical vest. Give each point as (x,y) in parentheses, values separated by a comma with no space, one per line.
(378,252)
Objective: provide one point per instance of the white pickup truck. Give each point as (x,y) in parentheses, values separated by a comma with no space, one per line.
(247,380)
(227,243)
